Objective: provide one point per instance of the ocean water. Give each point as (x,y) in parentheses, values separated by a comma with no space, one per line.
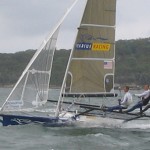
(38,137)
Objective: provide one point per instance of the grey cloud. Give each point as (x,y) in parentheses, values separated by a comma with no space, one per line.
(25,23)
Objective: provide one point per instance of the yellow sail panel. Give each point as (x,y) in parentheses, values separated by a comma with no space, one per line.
(90,76)
(89,37)
(100,12)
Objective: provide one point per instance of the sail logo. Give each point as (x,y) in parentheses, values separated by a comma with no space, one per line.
(100,47)
(83,46)
(89,37)
(93,46)
(14,104)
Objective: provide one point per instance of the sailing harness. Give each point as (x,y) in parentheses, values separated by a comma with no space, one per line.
(146,100)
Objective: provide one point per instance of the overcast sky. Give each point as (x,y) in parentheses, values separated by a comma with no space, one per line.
(25,23)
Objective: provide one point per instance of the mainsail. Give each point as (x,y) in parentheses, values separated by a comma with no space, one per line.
(92,64)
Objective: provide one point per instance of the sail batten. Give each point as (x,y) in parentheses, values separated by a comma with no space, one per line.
(96,25)
(92,59)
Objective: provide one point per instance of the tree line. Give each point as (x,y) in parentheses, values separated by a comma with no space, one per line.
(132,63)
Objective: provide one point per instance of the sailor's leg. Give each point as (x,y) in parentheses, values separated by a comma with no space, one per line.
(138,105)
(118,107)
(146,108)
(141,109)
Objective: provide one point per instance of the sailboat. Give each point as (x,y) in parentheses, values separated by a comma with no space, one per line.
(89,74)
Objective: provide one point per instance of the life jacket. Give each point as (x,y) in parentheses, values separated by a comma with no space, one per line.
(146,100)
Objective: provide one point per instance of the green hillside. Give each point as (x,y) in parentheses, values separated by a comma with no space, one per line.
(132,63)
(12,66)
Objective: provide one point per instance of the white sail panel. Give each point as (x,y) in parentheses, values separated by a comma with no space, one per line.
(32,88)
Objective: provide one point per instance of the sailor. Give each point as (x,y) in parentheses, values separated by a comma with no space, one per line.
(123,103)
(144,99)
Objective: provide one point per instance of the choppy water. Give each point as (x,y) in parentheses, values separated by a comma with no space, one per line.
(37,137)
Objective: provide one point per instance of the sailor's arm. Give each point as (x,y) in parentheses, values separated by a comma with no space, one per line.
(125,98)
(142,94)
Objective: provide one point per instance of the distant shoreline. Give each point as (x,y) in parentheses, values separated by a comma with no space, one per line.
(12,85)
(7,86)
(132,87)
